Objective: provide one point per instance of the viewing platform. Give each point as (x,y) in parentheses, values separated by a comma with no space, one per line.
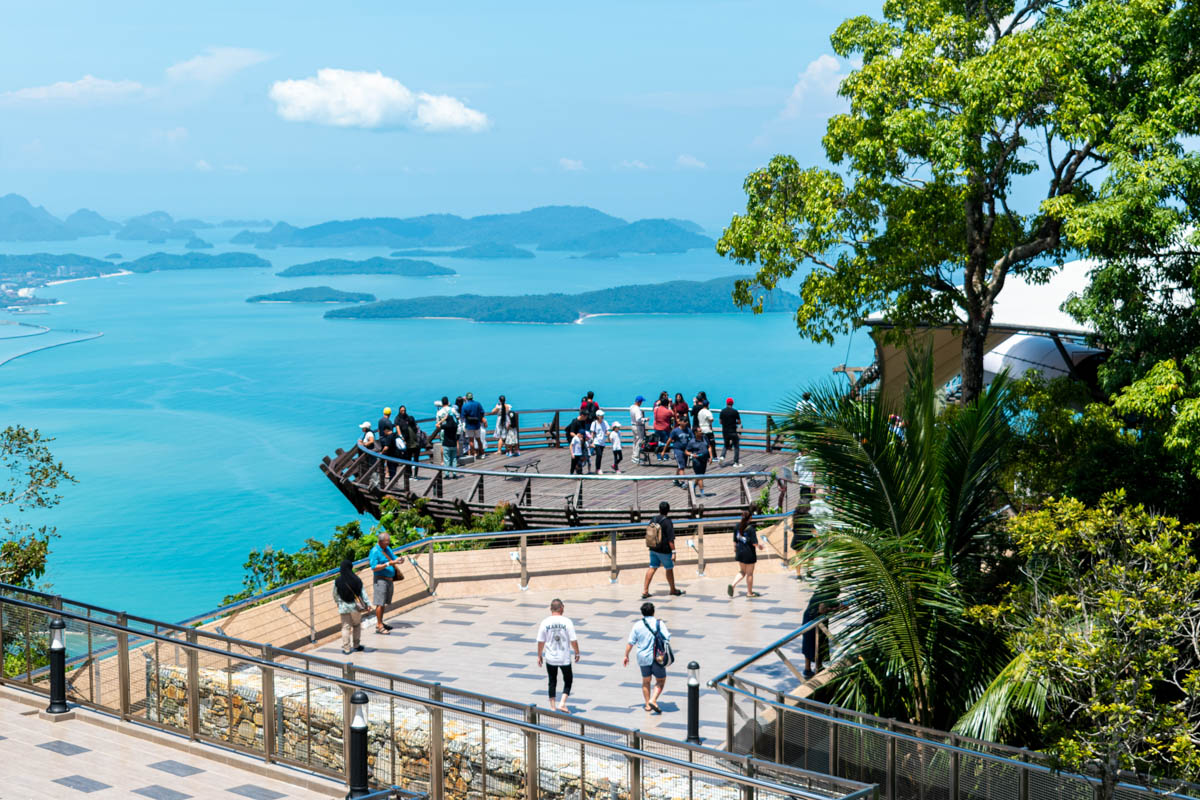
(540,492)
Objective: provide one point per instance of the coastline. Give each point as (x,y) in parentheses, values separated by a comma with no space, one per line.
(116,274)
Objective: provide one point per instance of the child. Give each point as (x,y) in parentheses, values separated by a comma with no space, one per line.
(578,450)
(614,437)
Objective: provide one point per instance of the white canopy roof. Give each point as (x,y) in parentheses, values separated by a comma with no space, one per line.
(1024,353)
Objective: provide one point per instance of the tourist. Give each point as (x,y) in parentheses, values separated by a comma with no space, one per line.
(580,423)
(384,570)
(680,408)
(392,446)
(589,406)
(614,438)
(731,423)
(642,639)
(697,404)
(637,420)
(444,407)
(385,421)
(555,641)
(368,439)
(662,424)
(599,432)
(745,544)
(578,452)
(680,438)
(697,449)
(704,427)
(462,439)
(447,427)
(407,427)
(476,423)
(512,433)
(501,412)
(823,601)
(351,605)
(662,552)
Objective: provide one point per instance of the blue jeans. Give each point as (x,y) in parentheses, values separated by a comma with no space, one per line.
(450,459)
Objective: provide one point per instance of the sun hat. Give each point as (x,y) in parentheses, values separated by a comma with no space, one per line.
(639,399)
(600,412)
(616,425)
(366,426)
(387,410)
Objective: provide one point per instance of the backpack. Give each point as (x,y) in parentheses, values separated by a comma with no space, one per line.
(663,654)
(653,534)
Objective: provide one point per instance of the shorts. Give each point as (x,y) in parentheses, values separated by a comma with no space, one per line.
(653,669)
(680,458)
(663,560)
(700,464)
(381,593)
(475,433)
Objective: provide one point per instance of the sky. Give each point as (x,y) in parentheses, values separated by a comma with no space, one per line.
(308,111)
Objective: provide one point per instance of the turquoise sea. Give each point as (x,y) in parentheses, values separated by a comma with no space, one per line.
(196,423)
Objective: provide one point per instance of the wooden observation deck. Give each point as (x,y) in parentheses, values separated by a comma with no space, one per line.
(539,492)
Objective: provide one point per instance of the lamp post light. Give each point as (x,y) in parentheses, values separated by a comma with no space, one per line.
(58,668)
(693,717)
(358,746)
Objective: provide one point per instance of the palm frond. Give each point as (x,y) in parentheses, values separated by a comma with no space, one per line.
(1014,689)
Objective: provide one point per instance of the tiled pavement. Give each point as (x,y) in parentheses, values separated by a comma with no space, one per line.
(487,645)
(40,760)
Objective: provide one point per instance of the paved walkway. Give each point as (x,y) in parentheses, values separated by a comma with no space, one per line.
(42,760)
(487,645)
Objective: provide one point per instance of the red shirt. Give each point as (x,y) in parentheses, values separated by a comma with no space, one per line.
(662,418)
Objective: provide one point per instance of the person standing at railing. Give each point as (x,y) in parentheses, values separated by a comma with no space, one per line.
(648,637)
(555,641)
(589,406)
(745,543)
(407,426)
(704,427)
(661,543)
(391,445)
(368,438)
(351,605)
(598,432)
(731,432)
(637,420)
(384,569)
(385,421)
(447,428)
(501,411)
(476,422)
(663,417)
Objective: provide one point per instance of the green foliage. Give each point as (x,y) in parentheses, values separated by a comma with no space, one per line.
(915,536)
(1110,622)
(29,480)
(953,106)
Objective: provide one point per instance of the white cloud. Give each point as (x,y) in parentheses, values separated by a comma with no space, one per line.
(635,164)
(215,64)
(88,89)
(815,89)
(570,164)
(349,99)
(686,161)
(203,166)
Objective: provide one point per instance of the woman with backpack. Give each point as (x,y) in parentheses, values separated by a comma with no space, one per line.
(745,542)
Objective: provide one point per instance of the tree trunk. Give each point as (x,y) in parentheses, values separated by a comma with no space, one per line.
(973,345)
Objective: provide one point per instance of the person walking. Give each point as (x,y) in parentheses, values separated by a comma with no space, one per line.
(368,439)
(660,540)
(599,432)
(642,638)
(680,438)
(745,547)
(578,451)
(555,641)
(476,422)
(351,605)
(663,417)
(704,427)
(614,438)
(697,450)
(731,423)
(447,427)
(501,412)
(384,570)
(637,421)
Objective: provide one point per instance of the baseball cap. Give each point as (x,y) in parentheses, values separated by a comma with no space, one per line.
(728,401)
(600,413)
(470,396)
(639,399)
(366,426)
(387,410)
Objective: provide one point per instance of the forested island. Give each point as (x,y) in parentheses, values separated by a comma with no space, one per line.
(313,294)
(407,267)
(673,297)
(484,250)
(161,262)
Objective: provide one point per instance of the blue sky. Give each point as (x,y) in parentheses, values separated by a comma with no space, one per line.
(275,109)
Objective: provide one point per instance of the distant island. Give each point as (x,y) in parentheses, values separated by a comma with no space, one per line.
(244,223)
(407,267)
(196,243)
(599,255)
(161,262)
(587,230)
(482,251)
(313,294)
(673,297)
(21,221)
(113,256)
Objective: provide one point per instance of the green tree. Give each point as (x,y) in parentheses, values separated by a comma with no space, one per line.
(915,537)
(985,138)
(1110,625)
(31,479)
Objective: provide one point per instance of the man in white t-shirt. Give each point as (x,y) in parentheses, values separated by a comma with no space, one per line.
(637,419)
(555,641)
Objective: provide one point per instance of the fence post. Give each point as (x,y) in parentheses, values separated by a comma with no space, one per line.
(833,750)
(612,556)
(700,549)
(437,739)
(890,777)
(729,721)
(312,614)
(193,687)
(779,728)
(432,582)
(531,756)
(1023,785)
(747,789)
(770,425)
(347,710)
(123,667)
(524,562)
(635,767)
(268,704)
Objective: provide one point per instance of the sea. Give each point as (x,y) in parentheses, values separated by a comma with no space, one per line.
(195,425)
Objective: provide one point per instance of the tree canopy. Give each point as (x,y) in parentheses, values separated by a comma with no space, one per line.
(29,480)
(984,139)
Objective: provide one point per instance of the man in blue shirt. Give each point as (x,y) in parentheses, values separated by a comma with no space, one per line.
(476,424)
(383,569)
(679,439)
(641,640)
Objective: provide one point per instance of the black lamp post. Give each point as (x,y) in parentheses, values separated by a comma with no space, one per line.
(58,668)
(358,746)
(693,722)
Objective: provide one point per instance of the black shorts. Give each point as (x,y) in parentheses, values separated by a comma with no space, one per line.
(700,464)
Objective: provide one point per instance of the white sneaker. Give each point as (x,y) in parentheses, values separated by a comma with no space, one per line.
(736,464)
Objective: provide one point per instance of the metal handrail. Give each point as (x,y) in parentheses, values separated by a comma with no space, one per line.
(606,409)
(430,703)
(427,541)
(773,646)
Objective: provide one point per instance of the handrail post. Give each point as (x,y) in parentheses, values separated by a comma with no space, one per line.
(890,776)
(123,685)
(347,710)
(437,739)
(729,720)
(747,789)
(635,767)
(531,756)
(193,687)
(768,432)
(524,562)
(268,707)
(612,556)
(779,728)
(432,582)
(700,549)
(1023,783)
(312,614)
(833,751)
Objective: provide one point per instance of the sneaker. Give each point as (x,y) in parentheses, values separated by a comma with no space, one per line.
(359,649)
(737,465)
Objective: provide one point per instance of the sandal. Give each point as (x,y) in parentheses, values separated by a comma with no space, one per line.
(382,631)
(387,627)
(678,592)
(647,707)
(647,594)
(729,590)
(657,710)
(753,594)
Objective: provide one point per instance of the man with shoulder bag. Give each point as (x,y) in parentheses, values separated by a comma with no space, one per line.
(652,641)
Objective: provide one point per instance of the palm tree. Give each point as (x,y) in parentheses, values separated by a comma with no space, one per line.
(915,538)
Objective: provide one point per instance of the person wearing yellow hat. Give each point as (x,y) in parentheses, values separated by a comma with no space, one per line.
(385,422)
